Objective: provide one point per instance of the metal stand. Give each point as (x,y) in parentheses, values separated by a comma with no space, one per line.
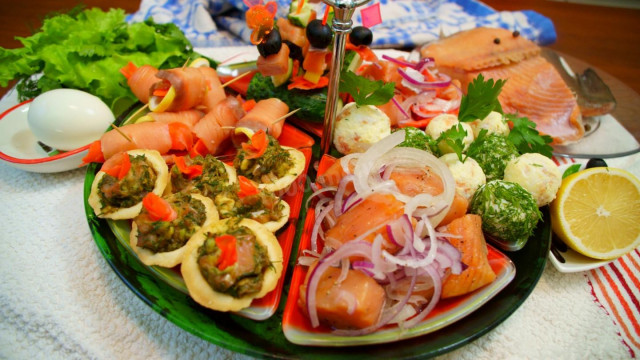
(343,11)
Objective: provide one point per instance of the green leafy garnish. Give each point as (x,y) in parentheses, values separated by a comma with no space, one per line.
(454,137)
(85,50)
(526,138)
(365,91)
(571,170)
(481,99)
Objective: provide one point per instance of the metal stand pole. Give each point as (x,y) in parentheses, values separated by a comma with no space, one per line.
(343,11)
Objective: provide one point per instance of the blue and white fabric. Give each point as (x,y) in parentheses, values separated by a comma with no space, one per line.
(405,23)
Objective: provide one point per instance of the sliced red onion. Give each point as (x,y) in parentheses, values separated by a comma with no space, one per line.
(400,108)
(363,169)
(415,78)
(437,290)
(420,64)
(316,226)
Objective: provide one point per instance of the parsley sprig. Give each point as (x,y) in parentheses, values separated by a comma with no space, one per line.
(365,91)
(526,138)
(481,99)
(454,137)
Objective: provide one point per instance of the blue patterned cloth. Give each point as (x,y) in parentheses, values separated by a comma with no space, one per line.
(405,23)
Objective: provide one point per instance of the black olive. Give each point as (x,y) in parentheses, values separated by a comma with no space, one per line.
(271,43)
(361,35)
(319,35)
(596,162)
(295,51)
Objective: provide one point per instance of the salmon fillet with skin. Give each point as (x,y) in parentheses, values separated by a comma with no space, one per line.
(534,88)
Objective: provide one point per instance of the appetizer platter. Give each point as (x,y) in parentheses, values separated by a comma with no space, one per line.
(206,204)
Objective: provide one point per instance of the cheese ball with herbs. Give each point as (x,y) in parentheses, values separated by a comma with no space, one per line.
(444,122)
(537,174)
(359,127)
(468,174)
(493,153)
(509,213)
(494,123)
(416,138)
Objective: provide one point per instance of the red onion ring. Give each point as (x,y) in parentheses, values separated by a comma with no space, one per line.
(446,80)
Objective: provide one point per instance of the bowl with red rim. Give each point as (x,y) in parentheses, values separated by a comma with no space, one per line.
(20,148)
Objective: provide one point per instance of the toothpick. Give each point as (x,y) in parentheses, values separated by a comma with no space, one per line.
(285,116)
(121,133)
(235,79)
(137,112)
(186,62)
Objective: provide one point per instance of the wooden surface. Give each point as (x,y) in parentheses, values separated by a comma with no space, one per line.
(605,38)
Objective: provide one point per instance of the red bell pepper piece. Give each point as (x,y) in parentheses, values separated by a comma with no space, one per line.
(258,145)
(190,170)
(228,253)
(247,188)
(158,208)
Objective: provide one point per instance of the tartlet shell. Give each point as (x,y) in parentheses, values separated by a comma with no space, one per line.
(162,172)
(170,258)
(203,293)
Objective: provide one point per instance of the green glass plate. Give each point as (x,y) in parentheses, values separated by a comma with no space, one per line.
(265,339)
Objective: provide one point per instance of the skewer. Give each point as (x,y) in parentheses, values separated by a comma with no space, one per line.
(285,115)
(121,133)
(236,79)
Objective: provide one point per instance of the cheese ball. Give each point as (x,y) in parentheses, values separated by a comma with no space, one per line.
(468,174)
(537,174)
(358,127)
(494,123)
(444,122)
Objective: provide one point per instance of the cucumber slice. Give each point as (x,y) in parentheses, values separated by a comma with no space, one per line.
(352,61)
(301,19)
(278,80)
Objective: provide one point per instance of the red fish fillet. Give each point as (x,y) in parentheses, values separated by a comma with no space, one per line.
(534,89)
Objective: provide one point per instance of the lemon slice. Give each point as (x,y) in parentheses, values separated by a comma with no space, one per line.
(199,62)
(597,212)
(163,104)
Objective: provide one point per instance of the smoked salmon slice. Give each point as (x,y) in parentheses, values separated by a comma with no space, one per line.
(266,115)
(469,239)
(189,84)
(215,92)
(145,135)
(141,80)
(536,90)
(216,126)
(187,117)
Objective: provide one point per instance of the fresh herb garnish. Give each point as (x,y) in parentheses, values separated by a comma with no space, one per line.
(481,99)
(571,170)
(526,138)
(454,137)
(365,91)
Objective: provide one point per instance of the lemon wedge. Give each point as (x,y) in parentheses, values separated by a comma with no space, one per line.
(162,105)
(597,212)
